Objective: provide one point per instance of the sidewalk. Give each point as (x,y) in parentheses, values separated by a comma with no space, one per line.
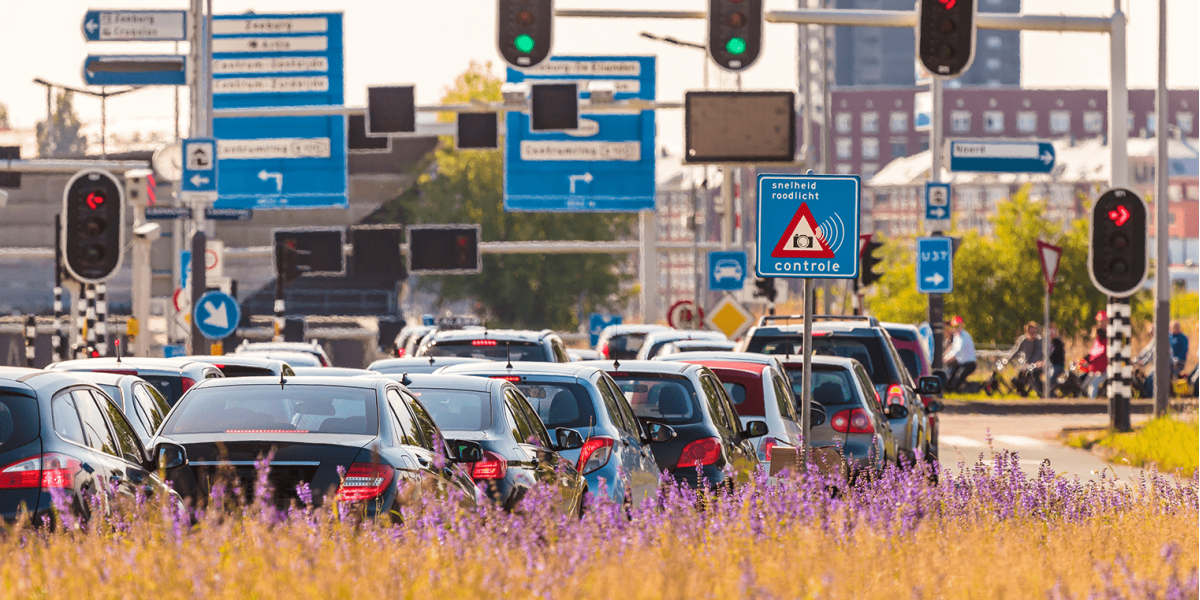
(1063,406)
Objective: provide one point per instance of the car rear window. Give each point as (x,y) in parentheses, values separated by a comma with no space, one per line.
(19,421)
(170,387)
(831,387)
(560,404)
(669,399)
(625,345)
(244,371)
(269,409)
(909,358)
(489,349)
(457,410)
(865,349)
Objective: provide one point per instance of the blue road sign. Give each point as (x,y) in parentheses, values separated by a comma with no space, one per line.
(937,202)
(596,324)
(808,226)
(726,270)
(199,168)
(605,165)
(174,350)
(935,265)
(141,69)
(216,315)
(273,60)
(1001,156)
(135,25)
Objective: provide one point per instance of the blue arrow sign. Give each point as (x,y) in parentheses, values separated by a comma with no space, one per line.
(216,315)
(596,324)
(1001,156)
(935,265)
(605,165)
(726,270)
(141,69)
(199,167)
(937,201)
(808,226)
(135,25)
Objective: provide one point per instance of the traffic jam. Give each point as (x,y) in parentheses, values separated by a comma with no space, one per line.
(467,415)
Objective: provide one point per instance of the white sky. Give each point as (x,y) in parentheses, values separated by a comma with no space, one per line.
(393,41)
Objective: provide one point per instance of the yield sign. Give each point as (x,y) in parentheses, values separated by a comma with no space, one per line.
(1050,255)
(802,238)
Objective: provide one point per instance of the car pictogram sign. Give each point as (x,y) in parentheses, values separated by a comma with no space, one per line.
(802,238)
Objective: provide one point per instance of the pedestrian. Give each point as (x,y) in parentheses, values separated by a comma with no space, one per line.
(1095,364)
(1058,355)
(960,356)
(1179,349)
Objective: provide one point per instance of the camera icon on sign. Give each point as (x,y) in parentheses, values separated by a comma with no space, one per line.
(802,241)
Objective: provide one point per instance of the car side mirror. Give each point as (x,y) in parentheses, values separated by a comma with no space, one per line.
(657,433)
(930,386)
(935,406)
(170,456)
(817,415)
(464,451)
(568,439)
(896,411)
(755,429)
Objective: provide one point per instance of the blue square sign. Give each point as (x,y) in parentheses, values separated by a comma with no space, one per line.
(808,226)
(937,202)
(726,271)
(935,265)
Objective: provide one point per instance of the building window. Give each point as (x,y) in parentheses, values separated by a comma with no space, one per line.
(924,144)
(845,148)
(1129,120)
(899,148)
(869,170)
(1060,121)
(899,122)
(1027,121)
(993,121)
(843,122)
(960,121)
(1093,121)
(1151,121)
(993,64)
(870,148)
(844,169)
(994,41)
(870,122)
(1184,121)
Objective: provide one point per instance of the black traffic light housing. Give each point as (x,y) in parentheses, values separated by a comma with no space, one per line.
(866,272)
(444,249)
(735,32)
(765,288)
(524,31)
(93,241)
(1117,259)
(946,35)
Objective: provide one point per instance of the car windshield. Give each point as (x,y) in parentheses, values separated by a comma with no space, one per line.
(560,404)
(19,421)
(269,409)
(488,349)
(457,410)
(865,350)
(669,399)
(831,387)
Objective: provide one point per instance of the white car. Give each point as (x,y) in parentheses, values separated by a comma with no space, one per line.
(727,269)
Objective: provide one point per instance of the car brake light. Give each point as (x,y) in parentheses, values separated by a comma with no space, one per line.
(50,470)
(604,350)
(365,481)
(852,421)
(768,445)
(188,382)
(594,454)
(400,352)
(704,451)
(493,466)
(820,333)
(483,342)
(508,377)
(895,394)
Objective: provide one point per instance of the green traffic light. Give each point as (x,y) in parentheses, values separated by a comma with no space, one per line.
(524,43)
(736,45)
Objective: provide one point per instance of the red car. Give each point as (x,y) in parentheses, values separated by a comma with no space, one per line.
(917,363)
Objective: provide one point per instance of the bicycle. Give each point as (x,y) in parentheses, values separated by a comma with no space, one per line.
(996,383)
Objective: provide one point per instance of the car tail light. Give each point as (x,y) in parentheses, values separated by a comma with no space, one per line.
(324,363)
(895,395)
(493,466)
(400,352)
(594,454)
(483,342)
(50,470)
(365,481)
(604,350)
(820,333)
(704,451)
(852,421)
(768,445)
(188,382)
(513,378)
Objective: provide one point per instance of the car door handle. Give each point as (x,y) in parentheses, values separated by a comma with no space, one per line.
(424,461)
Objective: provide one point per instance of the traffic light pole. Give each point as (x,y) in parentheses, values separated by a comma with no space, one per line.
(1163,361)
(199,283)
(937,309)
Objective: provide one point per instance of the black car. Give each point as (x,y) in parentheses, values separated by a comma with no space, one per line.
(690,398)
(518,452)
(311,426)
(58,431)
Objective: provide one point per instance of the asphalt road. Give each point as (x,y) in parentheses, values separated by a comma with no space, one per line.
(1033,437)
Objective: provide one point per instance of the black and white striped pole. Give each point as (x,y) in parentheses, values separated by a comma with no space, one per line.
(101,346)
(30,340)
(60,344)
(79,329)
(89,296)
(1120,363)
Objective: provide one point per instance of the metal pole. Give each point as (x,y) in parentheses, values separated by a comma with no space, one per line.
(804,67)
(60,346)
(101,318)
(1120,371)
(696,245)
(103,124)
(649,266)
(806,350)
(826,104)
(937,307)
(89,294)
(1046,347)
(1118,101)
(1162,214)
(726,206)
(30,340)
(199,285)
(141,285)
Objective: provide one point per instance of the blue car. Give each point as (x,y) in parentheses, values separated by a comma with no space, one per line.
(615,456)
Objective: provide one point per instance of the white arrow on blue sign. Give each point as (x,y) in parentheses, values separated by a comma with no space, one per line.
(135,25)
(199,179)
(216,315)
(596,324)
(937,201)
(1001,156)
(935,265)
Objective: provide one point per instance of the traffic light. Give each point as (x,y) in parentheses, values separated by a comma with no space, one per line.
(765,288)
(866,272)
(94,213)
(291,261)
(524,29)
(735,32)
(946,35)
(444,249)
(1117,259)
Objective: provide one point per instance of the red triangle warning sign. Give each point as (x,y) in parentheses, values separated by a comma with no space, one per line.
(802,238)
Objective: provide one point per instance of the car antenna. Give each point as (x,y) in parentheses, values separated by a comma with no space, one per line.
(117,343)
(405,380)
(430,360)
(616,364)
(281,380)
(508,354)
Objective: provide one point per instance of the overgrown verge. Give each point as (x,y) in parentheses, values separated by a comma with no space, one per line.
(1171,443)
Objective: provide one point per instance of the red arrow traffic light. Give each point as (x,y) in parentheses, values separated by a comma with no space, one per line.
(94,200)
(1119,215)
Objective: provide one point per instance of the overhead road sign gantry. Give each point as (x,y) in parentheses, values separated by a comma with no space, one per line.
(142,69)
(607,164)
(263,61)
(135,26)
(935,265)
(1001,156)
(808,226)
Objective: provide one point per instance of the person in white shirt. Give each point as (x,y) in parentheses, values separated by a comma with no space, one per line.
(960,356)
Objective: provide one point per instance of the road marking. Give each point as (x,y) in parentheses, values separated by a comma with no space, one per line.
(960,442)
(1019,441)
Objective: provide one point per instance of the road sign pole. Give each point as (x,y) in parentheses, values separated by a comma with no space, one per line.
(1163,362)
(199,285)
(806,350)
(1120,373)
(1046,346)
(936,303)
(60,343)
(649,267)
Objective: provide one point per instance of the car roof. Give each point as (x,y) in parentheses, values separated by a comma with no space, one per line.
(284,355)
(129,362)
(291,346)
(632,328)
(496,334)
(837,361)
(421,361)
(640,366)
(745,367)
(100,377)
(333,372)
(244,359)
(684,344)
(451,382)
(575,369)
(37,379)
(684,334)
(902,332)
(297,380)
(725,355)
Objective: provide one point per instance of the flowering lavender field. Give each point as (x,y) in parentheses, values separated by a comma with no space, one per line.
(984,531)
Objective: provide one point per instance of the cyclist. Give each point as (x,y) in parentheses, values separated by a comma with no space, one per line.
(1179,349)
(960,356)
(1030,345)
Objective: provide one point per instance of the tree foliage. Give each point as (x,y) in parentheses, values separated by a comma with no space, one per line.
(4,121)
(998,282)
(63,136)
(517,290)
